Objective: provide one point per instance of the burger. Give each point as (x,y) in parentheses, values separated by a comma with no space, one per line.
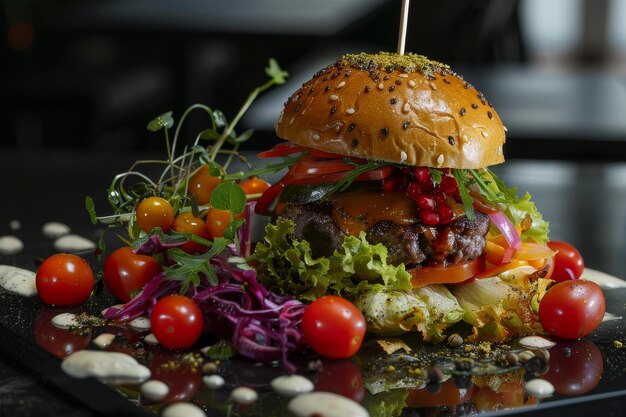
(389,201)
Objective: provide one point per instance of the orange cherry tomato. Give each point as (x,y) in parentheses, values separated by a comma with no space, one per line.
(188,223)
(217,221)
(155,212)
(254,185)
(202,184)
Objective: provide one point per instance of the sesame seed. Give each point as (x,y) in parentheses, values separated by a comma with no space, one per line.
(325,78)
(403,75)
(386,77)
(490,115)
(333,97)
(393,100)
(406,108)
(412,83)
(350,111)
(337,74)
(311,90)
(391,88)
(465,86)
(280,117)
(293,118)
(398,82)
(403,156)
(351,127)
(463,111)
(440,160)
(367,89)
(341,85)
(384,131)
(327,88)
(450,140)
(445,80)
(474,105)
(484,133)
(304,112)
(432,85)
(355,142)
(348,72)
(505,129)
(298,107)
(381,86)
(406,125)
(333,109)
(315,136)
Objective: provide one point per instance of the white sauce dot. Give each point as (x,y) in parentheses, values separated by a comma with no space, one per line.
(213,381)
(536,342)
(15,225)
(151,339)
(325,404)
(10,245)
(291,385)
(65,321)
(154,390)
(244,395)
(140,323)
(18,280)
(108,366)
(54,230)
(104,340)
(183,410)
(73,243)
(539,388)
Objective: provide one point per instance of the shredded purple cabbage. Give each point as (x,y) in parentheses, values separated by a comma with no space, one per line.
(264,326)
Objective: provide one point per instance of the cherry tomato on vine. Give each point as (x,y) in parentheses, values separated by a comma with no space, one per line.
(125,271)
(64,280)
(217,221)
(202,184)
(176,321)
(188,223)
(155,212)
(254,185)
(333,327)
(572,309)
(568,262)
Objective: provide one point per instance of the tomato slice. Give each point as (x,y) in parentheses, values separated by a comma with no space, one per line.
(282,149)
(265,201)
(498,269)
(312,165)
(452,274)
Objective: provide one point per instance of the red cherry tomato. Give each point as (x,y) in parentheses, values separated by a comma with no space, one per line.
(176,321)
(59,342)
(341,377)
(202,184)
(188,223)
(155,212)
(217,221)
(575,367)
(568,262)
(572,309)
(125,271)
(254,185)
(64,280)
(333,327)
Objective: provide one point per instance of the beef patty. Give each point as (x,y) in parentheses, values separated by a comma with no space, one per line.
(411,244)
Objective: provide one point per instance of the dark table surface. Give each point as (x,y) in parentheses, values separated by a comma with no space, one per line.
(585,203)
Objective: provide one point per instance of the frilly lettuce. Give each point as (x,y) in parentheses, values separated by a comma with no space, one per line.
(429,310)
(287,266)
(539,229)
(503,306)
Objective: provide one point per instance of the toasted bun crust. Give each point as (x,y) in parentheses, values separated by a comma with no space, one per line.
(405,109)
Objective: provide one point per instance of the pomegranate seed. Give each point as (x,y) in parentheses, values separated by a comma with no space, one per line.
(439,199)
(448,185)
(423,176)
(429,217)
(445,214)
(413,190)
(425,202)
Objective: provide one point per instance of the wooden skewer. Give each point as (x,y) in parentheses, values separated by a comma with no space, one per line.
(404,18)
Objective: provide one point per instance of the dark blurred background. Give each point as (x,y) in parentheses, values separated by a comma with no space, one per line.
(91,74)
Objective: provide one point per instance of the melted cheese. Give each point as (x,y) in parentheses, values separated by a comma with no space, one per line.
(358,210)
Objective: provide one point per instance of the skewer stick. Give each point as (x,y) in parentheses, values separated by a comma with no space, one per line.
(404,18)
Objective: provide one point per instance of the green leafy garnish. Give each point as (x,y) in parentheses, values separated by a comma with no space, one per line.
(229,196)
(164,120)
(188,267)
(221,351)
(464,182)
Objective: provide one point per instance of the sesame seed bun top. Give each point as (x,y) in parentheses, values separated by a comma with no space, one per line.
(397,108)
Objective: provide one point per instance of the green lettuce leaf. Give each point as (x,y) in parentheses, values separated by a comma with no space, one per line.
(429,310)
(504,306)
(539,230)
(287,266)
